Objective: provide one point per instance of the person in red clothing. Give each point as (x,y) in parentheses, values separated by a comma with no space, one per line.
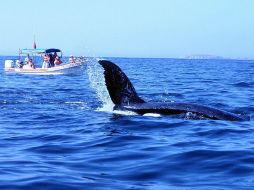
(57,61)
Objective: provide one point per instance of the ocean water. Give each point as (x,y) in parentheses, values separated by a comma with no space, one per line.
(60,132)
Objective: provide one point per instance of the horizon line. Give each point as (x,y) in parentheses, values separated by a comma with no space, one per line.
(135,57)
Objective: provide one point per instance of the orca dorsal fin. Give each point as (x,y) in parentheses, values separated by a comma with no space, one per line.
(120,89)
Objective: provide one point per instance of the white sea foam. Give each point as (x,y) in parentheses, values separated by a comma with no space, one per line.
(74,102)
(80,105)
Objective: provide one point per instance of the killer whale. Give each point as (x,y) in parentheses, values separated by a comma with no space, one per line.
(125,97)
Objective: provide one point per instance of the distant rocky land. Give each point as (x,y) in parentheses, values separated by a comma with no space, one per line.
(204,56)
(201,56)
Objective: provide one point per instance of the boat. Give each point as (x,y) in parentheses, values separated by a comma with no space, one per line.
(37,56)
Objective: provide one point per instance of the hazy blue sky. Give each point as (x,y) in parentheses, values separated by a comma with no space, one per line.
(134,28)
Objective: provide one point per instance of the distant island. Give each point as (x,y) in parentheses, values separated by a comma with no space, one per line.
(201,56)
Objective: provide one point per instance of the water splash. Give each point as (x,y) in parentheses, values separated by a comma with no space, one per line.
(97,82)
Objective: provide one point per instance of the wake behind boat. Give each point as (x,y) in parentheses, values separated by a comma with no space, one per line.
(43,61)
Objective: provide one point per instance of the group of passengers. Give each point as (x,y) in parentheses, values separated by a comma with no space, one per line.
(27,64)
(49,60)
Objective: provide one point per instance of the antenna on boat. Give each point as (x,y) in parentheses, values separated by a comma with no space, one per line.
(34,46)
(34,42)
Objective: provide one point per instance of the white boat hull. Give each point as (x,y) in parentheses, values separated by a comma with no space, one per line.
(61,69)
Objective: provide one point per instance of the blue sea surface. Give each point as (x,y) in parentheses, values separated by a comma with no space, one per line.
(60,132)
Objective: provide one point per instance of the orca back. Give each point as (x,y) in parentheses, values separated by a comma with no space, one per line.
(124,96)
(120,89)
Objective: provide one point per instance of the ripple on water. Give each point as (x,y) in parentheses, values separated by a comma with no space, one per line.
(243,85)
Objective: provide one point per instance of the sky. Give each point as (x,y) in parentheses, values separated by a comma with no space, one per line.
(130,28)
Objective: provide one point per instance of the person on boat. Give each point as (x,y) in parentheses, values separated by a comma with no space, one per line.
(51,60)
(26,60)
(57,61)
(54,56)
(71,59)
(26,65)
(31,64)
(45,63)
(19,64)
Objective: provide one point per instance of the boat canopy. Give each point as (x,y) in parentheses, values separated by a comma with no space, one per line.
(52,50)
(34,52)
(31,51)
